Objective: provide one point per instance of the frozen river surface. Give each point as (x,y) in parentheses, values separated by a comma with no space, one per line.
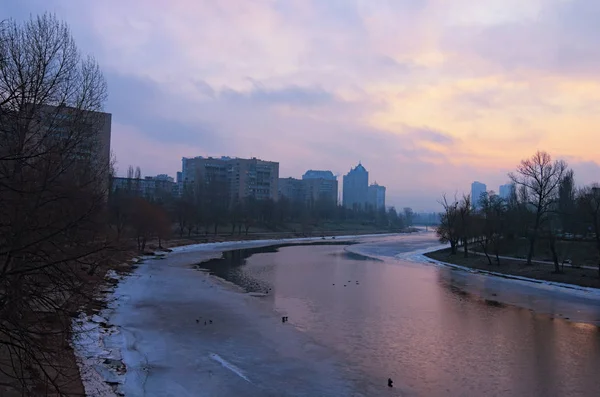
(353,322)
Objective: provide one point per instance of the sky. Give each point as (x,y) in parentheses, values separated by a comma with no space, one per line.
(429,95)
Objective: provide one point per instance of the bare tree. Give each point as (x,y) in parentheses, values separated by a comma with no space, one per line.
(184,212)
(150,220)
(138,181)
(448,230)
(548,231)
(162,225)
(588,200)
(566,202)
(489,224)
(235,216)
(464,225)
(408,216)
(53,190)
(540,177)
(560,215)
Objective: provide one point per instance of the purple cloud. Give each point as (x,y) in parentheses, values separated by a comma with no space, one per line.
(291,95)
(323,84)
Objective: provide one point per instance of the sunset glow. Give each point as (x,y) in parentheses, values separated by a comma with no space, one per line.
(429,94)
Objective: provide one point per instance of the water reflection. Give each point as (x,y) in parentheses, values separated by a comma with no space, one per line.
(434,331)
(228,267)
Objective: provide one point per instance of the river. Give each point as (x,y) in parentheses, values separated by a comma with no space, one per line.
(433,330)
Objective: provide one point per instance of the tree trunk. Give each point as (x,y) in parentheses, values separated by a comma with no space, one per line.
(597,232)
(119,230)
(453,247)
(536,226)
(466,247)
(485,251)
(159,242)
(598,245)
(531,246)
(554,256)
(497,253)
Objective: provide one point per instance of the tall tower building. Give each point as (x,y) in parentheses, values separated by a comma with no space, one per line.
(477,190)
(356,186)
(506,190)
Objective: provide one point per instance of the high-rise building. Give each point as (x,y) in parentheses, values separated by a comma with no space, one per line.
(88,134)
(477,190)
(356,185)
(321,189)
(314,186)
(208,169)
(254,178)
(376,196)
(320,185)
(506,190)
(242,177)
(292,189)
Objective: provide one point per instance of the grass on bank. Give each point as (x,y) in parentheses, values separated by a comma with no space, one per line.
(580,252)
(538,271)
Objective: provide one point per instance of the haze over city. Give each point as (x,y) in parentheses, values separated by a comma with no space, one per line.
(429,95)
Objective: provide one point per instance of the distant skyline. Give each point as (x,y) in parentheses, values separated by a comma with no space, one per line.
(429,94)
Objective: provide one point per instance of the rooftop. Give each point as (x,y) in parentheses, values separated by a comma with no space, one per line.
(318,174)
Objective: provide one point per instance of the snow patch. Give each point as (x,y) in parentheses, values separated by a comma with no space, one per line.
(91,354)
(233,245)
(257,294)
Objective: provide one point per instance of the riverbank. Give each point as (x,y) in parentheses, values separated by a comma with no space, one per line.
(580,252)
(270,235)
(164,302)
(583,277)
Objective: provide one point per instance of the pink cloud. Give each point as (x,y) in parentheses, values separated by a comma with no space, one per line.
(428,94)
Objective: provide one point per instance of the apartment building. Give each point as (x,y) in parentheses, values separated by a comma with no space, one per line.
(292,189)
(242,177)
(78,140)
(150,187)
(313,186)
(320,184)
(376,195)
(316,189)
